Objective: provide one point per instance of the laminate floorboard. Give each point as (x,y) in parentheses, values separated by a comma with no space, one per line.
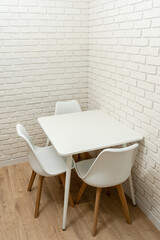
(17,206)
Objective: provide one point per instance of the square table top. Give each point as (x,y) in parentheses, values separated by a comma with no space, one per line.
(86,131)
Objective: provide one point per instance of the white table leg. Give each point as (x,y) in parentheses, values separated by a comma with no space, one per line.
(132,190)
(47,142)
(66,193)
(131,185)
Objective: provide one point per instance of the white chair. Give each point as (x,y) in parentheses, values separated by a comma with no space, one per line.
(63,107)
(111,168)
(44,161)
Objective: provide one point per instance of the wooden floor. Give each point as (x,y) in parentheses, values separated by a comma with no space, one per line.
(17,210)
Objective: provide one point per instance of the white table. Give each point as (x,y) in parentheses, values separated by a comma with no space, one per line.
(83,132)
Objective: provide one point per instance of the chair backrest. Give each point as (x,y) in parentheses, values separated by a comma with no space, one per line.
(63,107)
(111,167)
(33,158)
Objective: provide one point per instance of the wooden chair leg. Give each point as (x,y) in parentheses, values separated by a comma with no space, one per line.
(59,179)
(75,157)
(33,175)
(98,196)
(81,156)
(87,155)
(39,190)
(123,202)
(81,191)
(62,176)
(108,191)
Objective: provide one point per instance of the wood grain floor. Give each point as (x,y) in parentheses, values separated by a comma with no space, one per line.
(17,220)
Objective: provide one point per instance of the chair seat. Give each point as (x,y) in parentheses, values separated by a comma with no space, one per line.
(82,167)
(51,162)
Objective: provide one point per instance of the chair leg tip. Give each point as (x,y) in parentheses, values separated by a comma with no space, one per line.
(129,222)
(77,201)
(72,205)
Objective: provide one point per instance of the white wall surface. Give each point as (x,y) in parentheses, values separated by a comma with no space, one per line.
(43,58)
(124,80)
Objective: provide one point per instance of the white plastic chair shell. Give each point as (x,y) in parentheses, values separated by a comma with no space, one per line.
(44,160)
(63,107)
(110,168)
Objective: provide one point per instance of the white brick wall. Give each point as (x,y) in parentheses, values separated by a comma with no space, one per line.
(44,55)
(43,58)
(124,80)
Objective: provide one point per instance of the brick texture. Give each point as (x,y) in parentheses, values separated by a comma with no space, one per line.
(124,80)
(104,53)
(44,58)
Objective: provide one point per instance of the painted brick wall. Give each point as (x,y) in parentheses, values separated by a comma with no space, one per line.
(43,58)
(124,80)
